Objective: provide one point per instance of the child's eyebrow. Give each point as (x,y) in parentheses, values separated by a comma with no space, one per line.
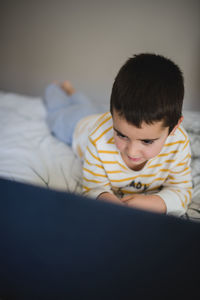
(119,132)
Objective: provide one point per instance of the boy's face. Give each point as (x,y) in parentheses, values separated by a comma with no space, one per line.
(137,145)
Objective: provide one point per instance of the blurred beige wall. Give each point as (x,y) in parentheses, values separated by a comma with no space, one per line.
(87,41)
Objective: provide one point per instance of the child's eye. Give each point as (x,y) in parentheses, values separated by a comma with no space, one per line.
(148,142)
(121,135)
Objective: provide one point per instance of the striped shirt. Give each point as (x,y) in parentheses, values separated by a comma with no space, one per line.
(167,175)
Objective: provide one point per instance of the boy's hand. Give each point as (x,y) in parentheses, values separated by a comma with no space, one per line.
(147,202)
(109,198)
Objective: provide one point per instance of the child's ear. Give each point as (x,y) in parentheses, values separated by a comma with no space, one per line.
(177,125)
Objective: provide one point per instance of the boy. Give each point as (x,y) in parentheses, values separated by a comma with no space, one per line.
(137,154)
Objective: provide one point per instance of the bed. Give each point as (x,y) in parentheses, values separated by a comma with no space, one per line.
(30,154)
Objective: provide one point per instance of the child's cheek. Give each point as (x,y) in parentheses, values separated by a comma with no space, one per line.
(118,143)
(152,152)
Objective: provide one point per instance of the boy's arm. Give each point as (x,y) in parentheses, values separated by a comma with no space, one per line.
(95,182)
(106,196)
(176,192)
(177,189)
(152,203)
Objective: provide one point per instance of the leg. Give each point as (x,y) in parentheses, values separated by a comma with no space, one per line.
(58,96)
(63,122)
(65,108)
(55,97)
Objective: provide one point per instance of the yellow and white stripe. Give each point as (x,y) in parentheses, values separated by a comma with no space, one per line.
(168,174)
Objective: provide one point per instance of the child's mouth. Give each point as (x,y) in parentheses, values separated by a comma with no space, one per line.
(136,159)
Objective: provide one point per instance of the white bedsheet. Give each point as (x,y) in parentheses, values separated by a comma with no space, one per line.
(28,151)
(192,125)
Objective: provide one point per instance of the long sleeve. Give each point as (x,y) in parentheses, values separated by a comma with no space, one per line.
(95,180)
(177,189)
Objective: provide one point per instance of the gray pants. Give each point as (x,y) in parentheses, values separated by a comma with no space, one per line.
(64,111)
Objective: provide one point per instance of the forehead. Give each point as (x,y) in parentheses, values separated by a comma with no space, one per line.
(146,131)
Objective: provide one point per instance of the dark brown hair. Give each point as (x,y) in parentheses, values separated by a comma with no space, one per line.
(148,88)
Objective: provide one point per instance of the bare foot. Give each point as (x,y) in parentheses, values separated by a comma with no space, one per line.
(67,87)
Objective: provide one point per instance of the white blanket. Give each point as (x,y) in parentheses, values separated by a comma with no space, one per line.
(192,125)
(28,151)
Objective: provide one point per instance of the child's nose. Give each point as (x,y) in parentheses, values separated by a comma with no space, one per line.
(133,150)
